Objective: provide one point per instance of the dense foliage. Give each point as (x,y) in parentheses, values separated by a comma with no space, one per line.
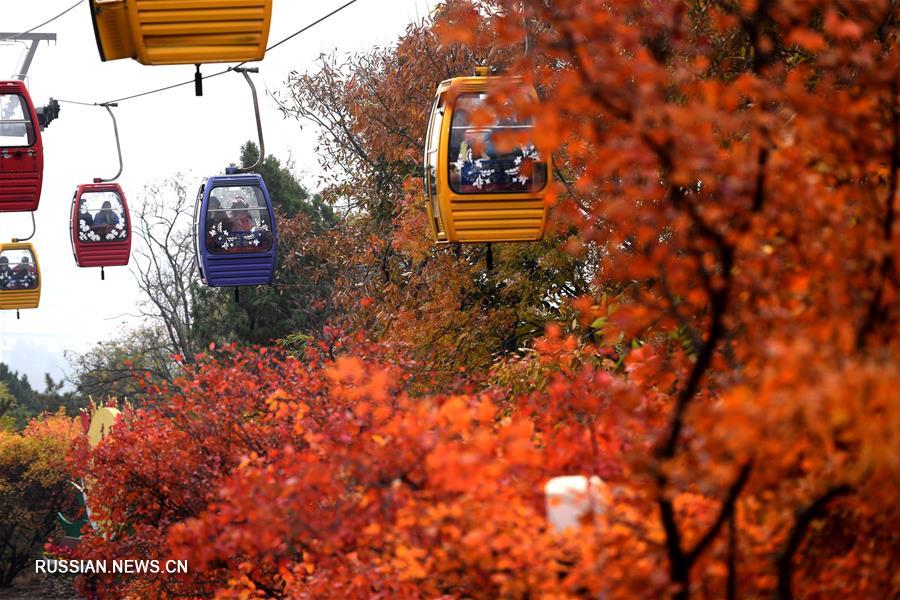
(34,486)
(724,275)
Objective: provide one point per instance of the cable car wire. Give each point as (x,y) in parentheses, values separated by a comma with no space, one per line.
(47,22)
(310,26)
(80,103)
(163,89)
(216,74)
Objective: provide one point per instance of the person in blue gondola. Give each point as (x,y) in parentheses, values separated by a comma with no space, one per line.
(240,215)
(6,276)
(241,224)
(216,225)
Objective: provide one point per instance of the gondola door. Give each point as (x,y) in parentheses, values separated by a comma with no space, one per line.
(432,169)
(21,152)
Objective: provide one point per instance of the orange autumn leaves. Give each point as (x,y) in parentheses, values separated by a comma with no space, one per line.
(304,485)
(728,365)
(366,499)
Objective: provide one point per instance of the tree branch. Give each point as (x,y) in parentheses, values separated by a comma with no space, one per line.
(887,271)
(724,513)
(784,561)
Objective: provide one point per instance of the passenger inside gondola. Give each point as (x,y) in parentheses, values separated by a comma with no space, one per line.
(101,217)
(241,227)
(216,224)
(5,273)
(106,217)
(240,219)
(22,276)
(85,219)
(25,274)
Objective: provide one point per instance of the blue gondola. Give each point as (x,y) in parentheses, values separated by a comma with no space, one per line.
(235,240)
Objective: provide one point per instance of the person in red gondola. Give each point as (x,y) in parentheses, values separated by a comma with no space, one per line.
(107,217)
(24,274)
(85,219)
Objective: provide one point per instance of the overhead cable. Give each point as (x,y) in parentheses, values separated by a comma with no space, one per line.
(47,22)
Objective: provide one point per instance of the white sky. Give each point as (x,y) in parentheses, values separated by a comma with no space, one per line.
(161,134)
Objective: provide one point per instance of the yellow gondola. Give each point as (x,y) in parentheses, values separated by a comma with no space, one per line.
(20,276)
(479,186)
(177,32)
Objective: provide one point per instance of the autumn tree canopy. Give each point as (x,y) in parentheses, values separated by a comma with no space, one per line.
(33,488)
(712,327)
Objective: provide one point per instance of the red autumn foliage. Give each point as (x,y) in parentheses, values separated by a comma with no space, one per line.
(730,183)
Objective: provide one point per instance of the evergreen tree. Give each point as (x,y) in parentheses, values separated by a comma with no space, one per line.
(19,402)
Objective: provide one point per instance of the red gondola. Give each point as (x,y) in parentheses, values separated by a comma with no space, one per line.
(21,152)
(100,226)
(99,221)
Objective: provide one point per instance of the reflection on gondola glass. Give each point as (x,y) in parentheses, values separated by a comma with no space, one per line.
(16,129)
(493,157)
(237,220)
(17,270)
(102,217)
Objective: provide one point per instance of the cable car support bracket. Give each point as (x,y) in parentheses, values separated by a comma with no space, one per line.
(108,106)
(262,146)
(35,39)
(33,231)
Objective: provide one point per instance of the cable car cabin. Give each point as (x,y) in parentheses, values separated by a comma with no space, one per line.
(20,276)
(484,179)
(178,32)
(235,241)
(100,226)
(21,153)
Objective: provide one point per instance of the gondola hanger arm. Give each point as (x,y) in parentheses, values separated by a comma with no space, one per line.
(33,231)
(109,106)
(245,71)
